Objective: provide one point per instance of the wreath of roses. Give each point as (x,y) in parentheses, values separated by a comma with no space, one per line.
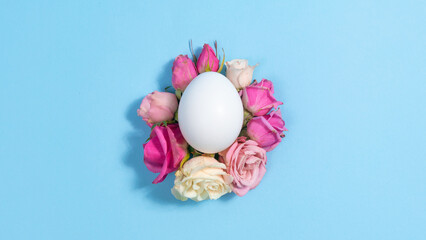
(241,166)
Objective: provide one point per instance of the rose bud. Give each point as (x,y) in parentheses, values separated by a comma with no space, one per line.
(239,72)
(158,107)
(183,72)
(258,98)
(165,150)
(207,61)
(267,130)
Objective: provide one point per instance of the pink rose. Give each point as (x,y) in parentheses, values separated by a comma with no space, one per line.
(245,161)
(207,60)
(267,130)
(157,107)
(264,83)
(164,151)
(258,98)
(183,72)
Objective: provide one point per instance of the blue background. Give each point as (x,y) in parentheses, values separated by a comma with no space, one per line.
(351,75)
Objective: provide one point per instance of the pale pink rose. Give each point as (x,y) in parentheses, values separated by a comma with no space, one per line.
(258,98)
(183,72)
(165,150)
(267,130)
(239,72)
(207,61)
(245,161)
(157,107)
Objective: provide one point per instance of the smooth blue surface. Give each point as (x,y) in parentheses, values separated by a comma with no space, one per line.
(351,73)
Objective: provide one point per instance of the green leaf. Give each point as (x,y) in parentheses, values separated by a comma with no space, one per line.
(223,61)
(176,117)
(185,159)
(194,58)
(208,69)
(153,126)
(178,94)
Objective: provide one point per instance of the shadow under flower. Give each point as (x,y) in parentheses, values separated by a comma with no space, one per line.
(135,140)
(164,79)
(158,193)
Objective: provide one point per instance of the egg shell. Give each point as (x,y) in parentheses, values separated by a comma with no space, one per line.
(210,113)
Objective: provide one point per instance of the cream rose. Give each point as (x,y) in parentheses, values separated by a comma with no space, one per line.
(201,178)
(239,72)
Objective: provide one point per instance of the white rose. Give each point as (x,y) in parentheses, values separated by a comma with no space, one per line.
(239,72)
(201,178)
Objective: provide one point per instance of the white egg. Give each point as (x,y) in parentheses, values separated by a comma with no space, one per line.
(210,113)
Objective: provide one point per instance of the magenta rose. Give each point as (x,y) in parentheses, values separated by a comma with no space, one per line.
(164,151)
(157,107)
(267,130)
(183,72)
(207,60)
(258,98)
(245,161)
